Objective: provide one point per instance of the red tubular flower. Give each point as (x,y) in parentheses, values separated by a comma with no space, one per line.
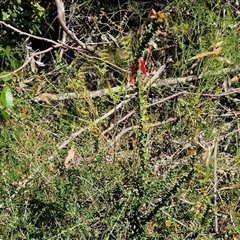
(134,68)
(143,67)
(133,72)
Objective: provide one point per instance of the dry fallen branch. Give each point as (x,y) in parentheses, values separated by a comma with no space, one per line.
(171,81)
(104,92)
(154,82)
(72,95)
(155,77)
(101,92)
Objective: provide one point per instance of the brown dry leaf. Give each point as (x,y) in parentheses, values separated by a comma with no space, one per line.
(69,158)
(205,154)
(192,151)
(235,78)
(218,44)
(40,86)
(217,51)
(45,97)
(202,55)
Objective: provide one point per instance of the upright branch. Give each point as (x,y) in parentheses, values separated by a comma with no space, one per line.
(158,21)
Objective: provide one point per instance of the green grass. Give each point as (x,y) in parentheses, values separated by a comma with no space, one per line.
(101,195)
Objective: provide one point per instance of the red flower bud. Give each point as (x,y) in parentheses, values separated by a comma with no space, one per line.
(143,67)
(133,72)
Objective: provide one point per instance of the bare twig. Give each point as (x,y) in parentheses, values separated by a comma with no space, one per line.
(171,81)
(57,97)
(229,187)
(92,94)
(55,45)
(60,11)
(30,35)
(97,57)
(62,44)
(174,219)
(27,61)
(124,131)
(80,131)
(136,127)
(64,34)
(119,121)
(222,137)
(167,98)
(157,74)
